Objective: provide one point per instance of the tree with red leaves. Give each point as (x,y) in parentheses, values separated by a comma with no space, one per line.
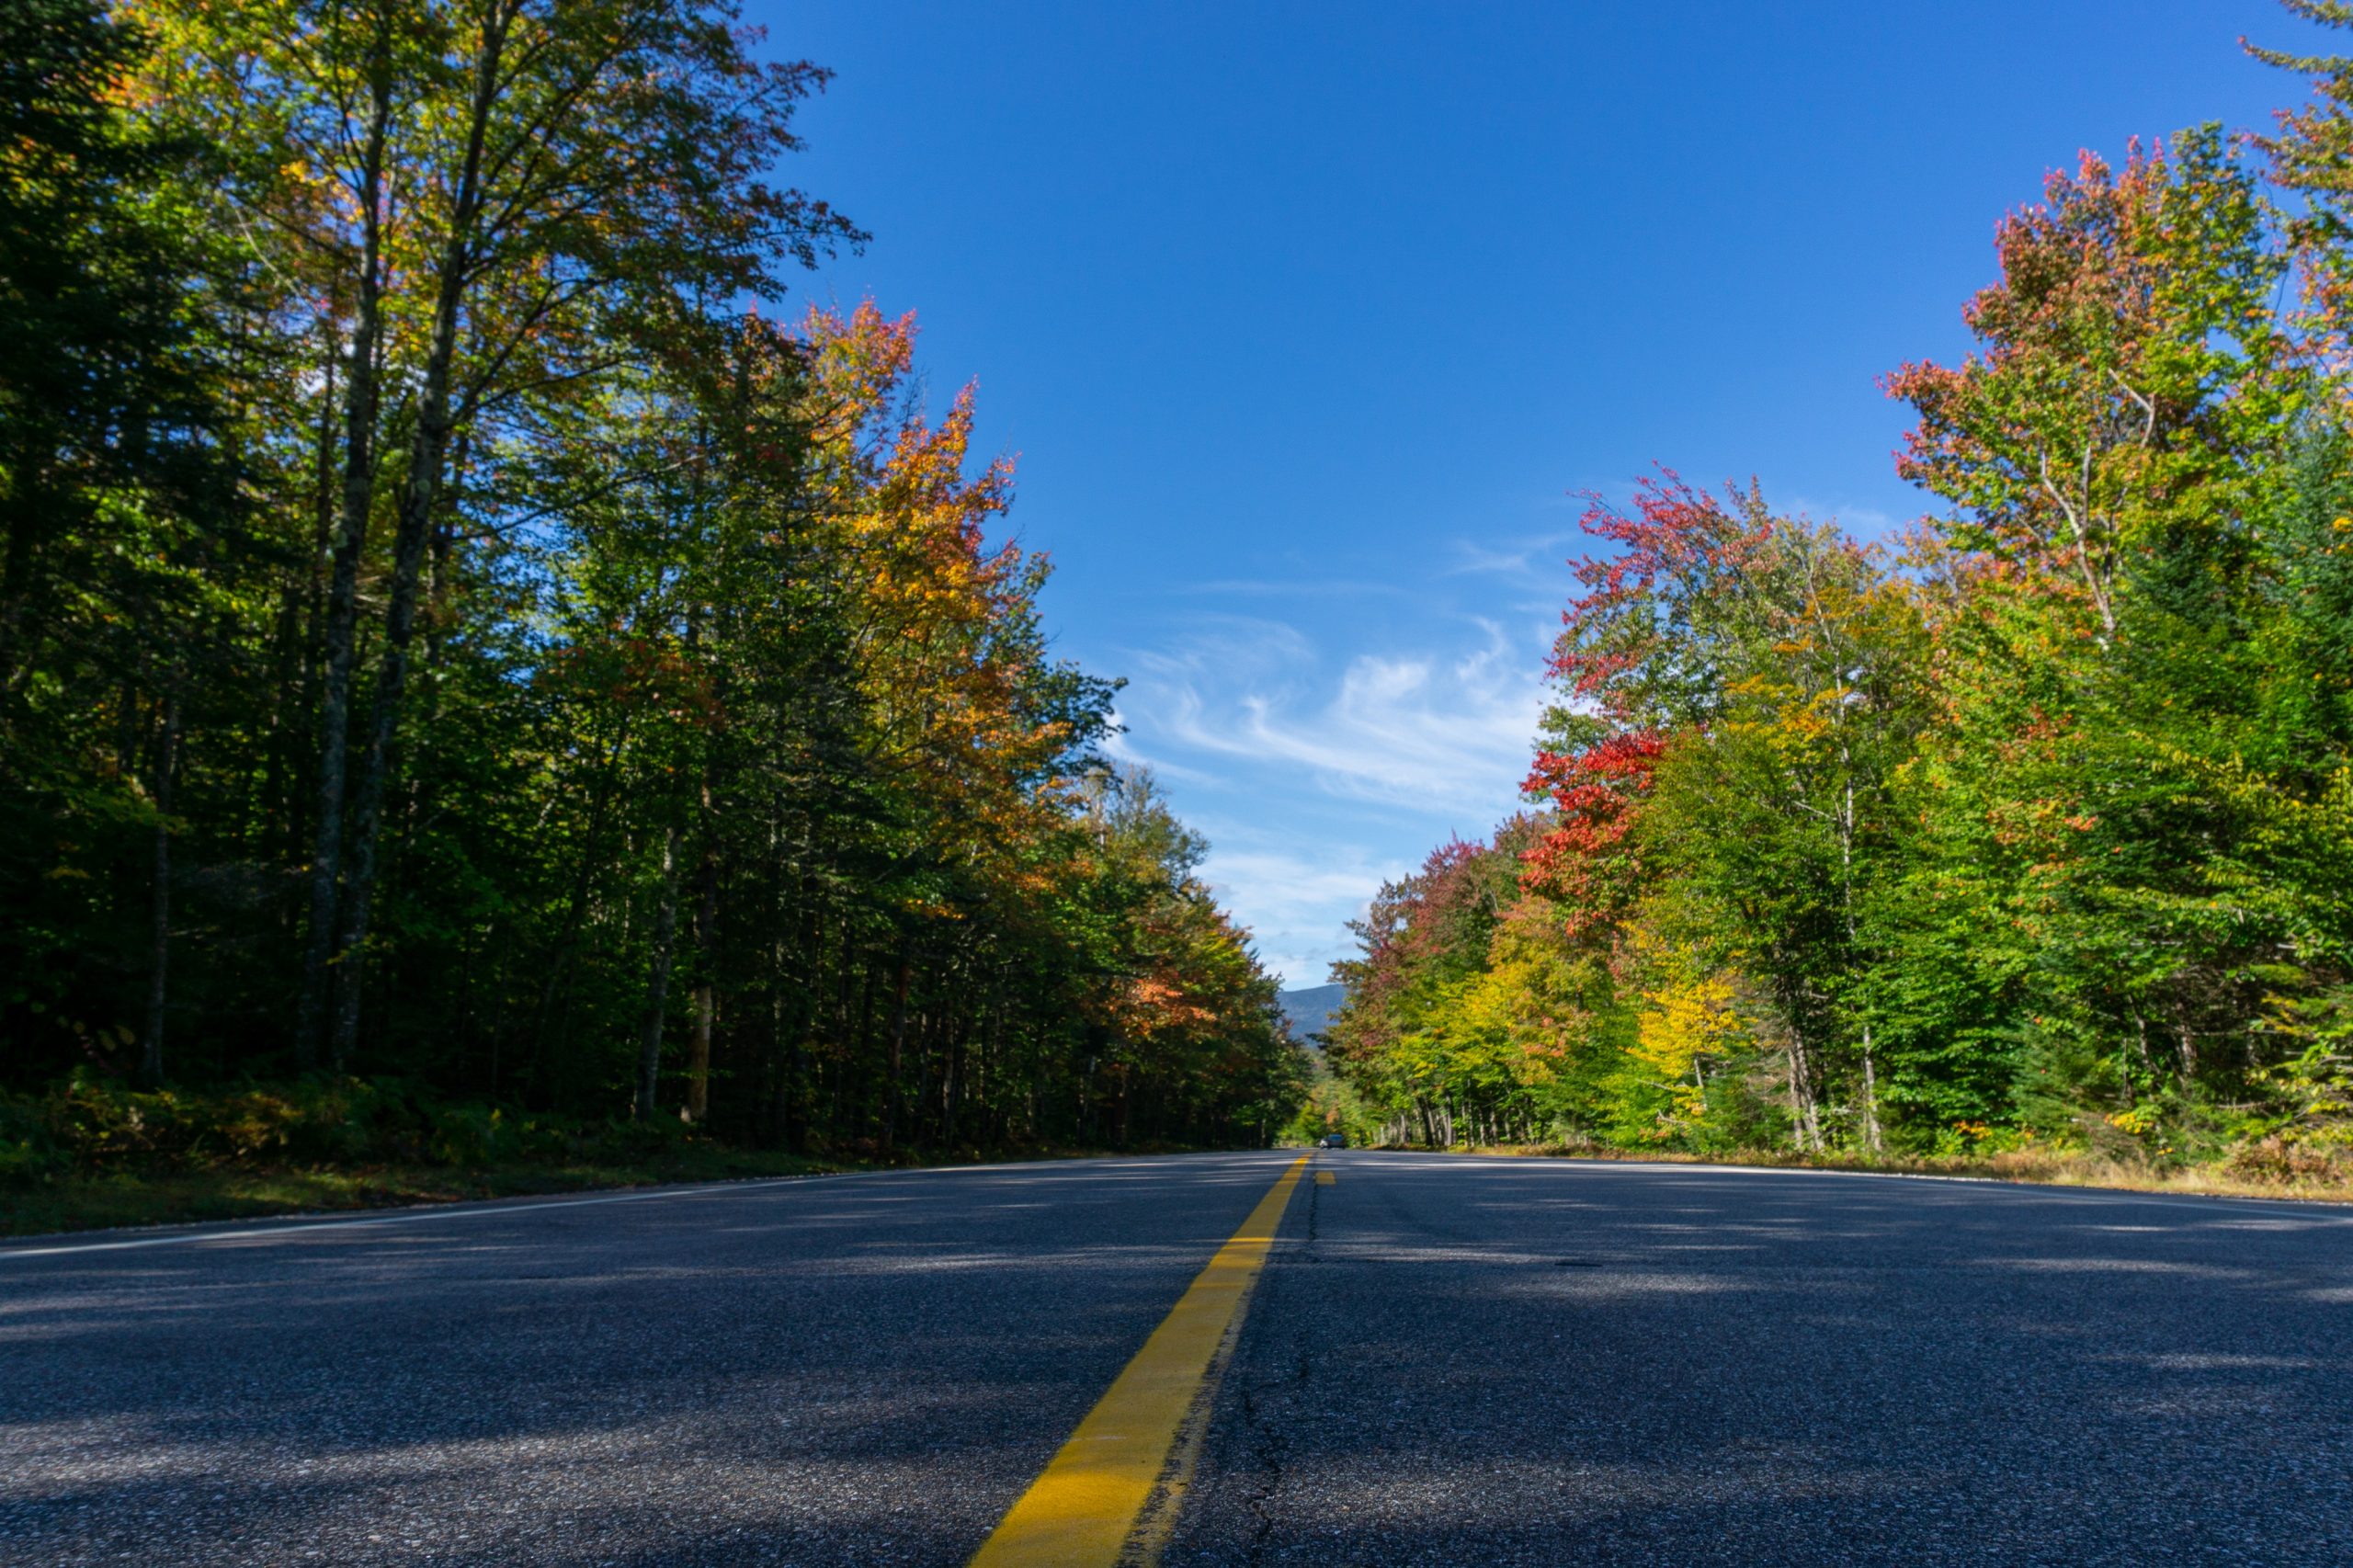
(1633,662)
(2130,366)
(2041,836)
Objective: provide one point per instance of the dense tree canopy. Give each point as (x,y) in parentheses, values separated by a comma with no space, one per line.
(2037,830)
(455,631)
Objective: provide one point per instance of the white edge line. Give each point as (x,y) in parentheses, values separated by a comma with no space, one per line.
(268,1231)
(263,1230)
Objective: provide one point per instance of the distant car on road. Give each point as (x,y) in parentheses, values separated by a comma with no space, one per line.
(1336,1141)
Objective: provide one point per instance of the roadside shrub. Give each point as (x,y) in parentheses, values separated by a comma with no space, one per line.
(471,1136)
(625,1142)
(2285,1162)
(28,1153)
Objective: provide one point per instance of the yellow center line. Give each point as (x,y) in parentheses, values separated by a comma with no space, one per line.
(1326,1178)
(1081,1511)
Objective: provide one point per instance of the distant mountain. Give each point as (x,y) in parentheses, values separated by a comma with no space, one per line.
(1307,1011)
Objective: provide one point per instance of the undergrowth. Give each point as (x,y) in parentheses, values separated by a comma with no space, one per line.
(2268,1167)
(91,1153)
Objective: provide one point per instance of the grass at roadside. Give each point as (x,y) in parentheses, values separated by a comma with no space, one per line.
(2238,1180)
(92,1153)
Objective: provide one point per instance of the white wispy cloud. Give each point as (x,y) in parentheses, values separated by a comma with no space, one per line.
(1119,747)
(1317,776)
(1540,556)
(1861,522)
(1429,730)
(1296,902)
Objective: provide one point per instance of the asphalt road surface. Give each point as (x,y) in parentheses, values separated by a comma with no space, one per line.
(1446,1360)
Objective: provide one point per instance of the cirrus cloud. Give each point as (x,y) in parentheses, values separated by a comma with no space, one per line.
(1317,779)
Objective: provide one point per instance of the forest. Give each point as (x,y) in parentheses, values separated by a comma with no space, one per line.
(2030,829)
(477,663)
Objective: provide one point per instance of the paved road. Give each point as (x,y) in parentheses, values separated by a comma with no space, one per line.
(1543,1361)
(1447,1359)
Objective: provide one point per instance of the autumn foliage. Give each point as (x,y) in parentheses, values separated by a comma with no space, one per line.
(467,631)
(2029,833)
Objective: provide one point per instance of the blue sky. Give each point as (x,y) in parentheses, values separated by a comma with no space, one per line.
(1305,320)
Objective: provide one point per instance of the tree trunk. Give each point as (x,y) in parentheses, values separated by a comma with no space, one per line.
(952,1083)
(1803,1111)
(1871,1137)
(360,399)
(898,1043)
(414,531)
(698,1108)
(790,1119)
(159,936)
(854,1054)
(785,1029)
(2148,1062)
(657,986)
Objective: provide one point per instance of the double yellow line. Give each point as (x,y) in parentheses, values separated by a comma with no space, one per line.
(1084,1510)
